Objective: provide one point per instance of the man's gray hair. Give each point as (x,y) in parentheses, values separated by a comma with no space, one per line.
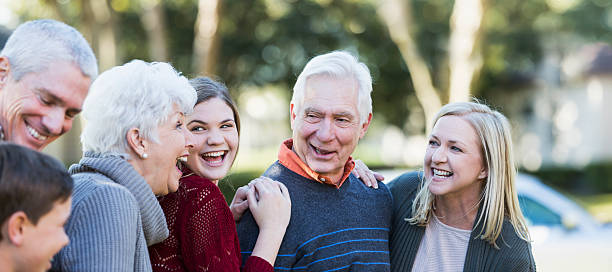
(36,45)
(339,64)
(134,95)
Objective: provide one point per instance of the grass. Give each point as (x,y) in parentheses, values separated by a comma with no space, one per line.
(600,206)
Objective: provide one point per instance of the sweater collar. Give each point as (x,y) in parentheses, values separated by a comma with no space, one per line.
(119,170)
(288,158)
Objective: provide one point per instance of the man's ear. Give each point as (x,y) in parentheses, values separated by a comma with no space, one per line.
(136,142)
(16,225)
(292,114)
(365,126)
(5,69)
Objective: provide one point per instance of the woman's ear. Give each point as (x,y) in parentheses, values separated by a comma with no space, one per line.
(137,143)
(484,173)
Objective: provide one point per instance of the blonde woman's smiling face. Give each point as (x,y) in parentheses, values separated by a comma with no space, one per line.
(453,159)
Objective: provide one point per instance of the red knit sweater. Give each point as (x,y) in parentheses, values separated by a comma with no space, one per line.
(202,232)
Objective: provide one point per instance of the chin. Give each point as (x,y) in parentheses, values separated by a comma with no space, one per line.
(215,174)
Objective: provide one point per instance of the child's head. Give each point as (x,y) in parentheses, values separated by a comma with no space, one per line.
(35,199)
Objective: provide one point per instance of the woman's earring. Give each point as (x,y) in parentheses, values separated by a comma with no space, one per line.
(144,155)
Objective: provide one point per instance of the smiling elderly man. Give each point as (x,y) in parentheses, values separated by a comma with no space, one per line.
(46,68)
(337,222)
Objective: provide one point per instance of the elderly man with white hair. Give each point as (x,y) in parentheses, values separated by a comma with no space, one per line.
(134,136)
(46,68)
(337,221)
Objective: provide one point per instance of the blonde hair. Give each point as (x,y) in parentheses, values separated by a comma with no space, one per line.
(499,197)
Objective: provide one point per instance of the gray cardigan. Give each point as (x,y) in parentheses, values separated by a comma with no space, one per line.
(114,217)
(514,254)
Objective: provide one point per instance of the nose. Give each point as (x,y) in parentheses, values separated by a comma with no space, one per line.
(325,131)
(55,122)
(214,137)
(189,141)
(439,155)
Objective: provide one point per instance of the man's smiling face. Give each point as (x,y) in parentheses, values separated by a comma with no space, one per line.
(40,107)
(326,127)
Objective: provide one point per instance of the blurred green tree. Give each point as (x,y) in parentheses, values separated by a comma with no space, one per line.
(422,53)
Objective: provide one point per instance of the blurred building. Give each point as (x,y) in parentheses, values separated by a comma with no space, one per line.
(562,117)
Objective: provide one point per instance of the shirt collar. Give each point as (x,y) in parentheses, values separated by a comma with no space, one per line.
(290,159)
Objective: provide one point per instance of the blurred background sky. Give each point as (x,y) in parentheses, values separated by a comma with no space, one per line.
(545,64)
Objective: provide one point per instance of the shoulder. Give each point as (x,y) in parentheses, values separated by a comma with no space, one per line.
(515,251)
(280,172)
(509,240)
(88,186)
(96,195)
(513,254)
(199,189)
(405,185)
(197,195)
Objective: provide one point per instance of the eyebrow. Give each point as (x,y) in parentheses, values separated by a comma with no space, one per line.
(311,110)
(344,114)
(204,123)
(450,141)
(338,114)
(56,99)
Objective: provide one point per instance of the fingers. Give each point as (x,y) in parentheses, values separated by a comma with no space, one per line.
(378,176)
(241,194)
(284,191)
(367,176)
(264,185)
(251,199)
(372,179)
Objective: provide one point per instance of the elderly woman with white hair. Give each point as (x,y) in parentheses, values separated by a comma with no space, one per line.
(132,140)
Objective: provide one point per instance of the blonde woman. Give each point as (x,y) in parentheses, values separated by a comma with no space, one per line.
(461,213)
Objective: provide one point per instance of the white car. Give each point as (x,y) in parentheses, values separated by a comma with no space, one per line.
(565,236)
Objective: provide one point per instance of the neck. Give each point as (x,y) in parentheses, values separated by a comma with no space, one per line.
(457,212)
(216,182)
(5,259)
(335,177)
(139,166)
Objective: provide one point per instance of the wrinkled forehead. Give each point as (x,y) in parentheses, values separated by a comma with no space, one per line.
(331,91)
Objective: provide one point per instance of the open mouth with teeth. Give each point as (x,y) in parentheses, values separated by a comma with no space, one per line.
(35,133)
(441,174)
(214,158)
(180,161)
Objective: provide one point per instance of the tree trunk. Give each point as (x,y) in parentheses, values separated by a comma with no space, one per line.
(465,60)
(154,22)
(104,26)
(206,41)
(397,16)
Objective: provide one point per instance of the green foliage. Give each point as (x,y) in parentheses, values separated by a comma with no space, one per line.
(233,181)
(596,178)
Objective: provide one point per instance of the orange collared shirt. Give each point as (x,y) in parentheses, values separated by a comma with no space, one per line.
(289,159)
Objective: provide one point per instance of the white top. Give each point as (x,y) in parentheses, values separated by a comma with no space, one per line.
(442,248)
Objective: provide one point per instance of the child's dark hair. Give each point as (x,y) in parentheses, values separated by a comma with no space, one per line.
(31,182)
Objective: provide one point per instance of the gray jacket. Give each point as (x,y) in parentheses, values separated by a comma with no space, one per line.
(114,217)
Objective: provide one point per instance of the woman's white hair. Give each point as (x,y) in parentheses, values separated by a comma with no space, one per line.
(339,64)
(36,45)
(499,197)
(134,95)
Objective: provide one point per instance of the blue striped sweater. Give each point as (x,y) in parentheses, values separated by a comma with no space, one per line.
(345,229)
